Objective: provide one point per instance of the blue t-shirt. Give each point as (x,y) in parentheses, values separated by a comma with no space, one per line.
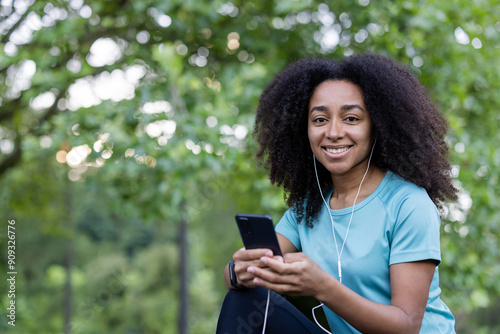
(397,223)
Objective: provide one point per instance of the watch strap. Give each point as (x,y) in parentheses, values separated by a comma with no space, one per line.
(232,277)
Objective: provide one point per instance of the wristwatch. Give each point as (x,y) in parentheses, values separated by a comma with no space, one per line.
(232,277)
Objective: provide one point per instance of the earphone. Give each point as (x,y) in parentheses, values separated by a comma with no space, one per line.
(339,254)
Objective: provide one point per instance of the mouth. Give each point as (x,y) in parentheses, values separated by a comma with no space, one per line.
(337,150)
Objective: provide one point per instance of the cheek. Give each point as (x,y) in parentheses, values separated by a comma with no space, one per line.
(311,146)
(364,134)
(366,141)
(310,135)
(313,137)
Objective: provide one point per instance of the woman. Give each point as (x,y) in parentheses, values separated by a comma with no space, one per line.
(359,149)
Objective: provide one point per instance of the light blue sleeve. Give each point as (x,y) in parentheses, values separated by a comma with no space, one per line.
(288,227)
(415,235)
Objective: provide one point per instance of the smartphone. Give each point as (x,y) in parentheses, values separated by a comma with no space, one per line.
(257,231)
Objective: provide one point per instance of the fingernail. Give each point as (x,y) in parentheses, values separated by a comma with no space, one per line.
(251,270)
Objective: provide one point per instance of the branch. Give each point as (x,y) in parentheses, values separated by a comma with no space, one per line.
(9,109)
(15,158)
(6,37)
(7,114)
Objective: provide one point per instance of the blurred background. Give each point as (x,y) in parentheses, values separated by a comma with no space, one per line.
(126,147)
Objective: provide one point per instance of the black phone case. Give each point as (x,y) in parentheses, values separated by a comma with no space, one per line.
(257,231)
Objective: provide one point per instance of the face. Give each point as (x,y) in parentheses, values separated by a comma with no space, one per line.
(339,127)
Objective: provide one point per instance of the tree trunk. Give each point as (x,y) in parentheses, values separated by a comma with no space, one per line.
(68,261)
(183,273)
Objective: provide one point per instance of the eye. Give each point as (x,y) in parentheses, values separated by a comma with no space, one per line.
(319,120)
(351,119)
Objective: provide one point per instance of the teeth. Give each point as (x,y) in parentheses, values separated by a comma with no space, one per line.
(338,150)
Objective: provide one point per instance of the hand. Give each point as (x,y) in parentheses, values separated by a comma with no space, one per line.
(297,275)
(245,258)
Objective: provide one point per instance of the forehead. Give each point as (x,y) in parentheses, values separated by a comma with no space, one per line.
(337,90)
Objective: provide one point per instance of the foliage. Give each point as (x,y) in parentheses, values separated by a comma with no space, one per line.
(148,107)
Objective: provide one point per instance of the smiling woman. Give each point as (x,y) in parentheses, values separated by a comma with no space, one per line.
(408,126)
(360,131)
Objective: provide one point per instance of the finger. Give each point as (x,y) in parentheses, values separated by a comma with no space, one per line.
(267,274)
(241,266)
(277,264)
(279,258)
(243,277)
(289,284)
(247,278)
(251,254)
(279,288)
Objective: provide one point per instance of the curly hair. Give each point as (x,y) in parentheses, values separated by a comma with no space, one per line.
(409,128)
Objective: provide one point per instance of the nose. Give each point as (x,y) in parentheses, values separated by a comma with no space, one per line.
(335,130)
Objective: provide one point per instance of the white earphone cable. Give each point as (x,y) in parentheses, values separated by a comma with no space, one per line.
(267,310)
(339,254)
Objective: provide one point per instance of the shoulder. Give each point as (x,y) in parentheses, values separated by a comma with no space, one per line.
(414,224)
(404,200)
(400,191)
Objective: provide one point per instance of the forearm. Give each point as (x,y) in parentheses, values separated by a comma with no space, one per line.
(363,314)
(227,279)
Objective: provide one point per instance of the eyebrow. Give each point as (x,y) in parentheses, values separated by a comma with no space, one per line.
(352,106)
(318,108)
(345,107)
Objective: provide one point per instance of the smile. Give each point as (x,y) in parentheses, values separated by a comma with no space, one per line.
(337,150)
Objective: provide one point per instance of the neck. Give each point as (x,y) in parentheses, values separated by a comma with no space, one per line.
(345,187)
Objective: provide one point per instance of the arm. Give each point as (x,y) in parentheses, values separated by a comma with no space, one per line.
(410,283)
